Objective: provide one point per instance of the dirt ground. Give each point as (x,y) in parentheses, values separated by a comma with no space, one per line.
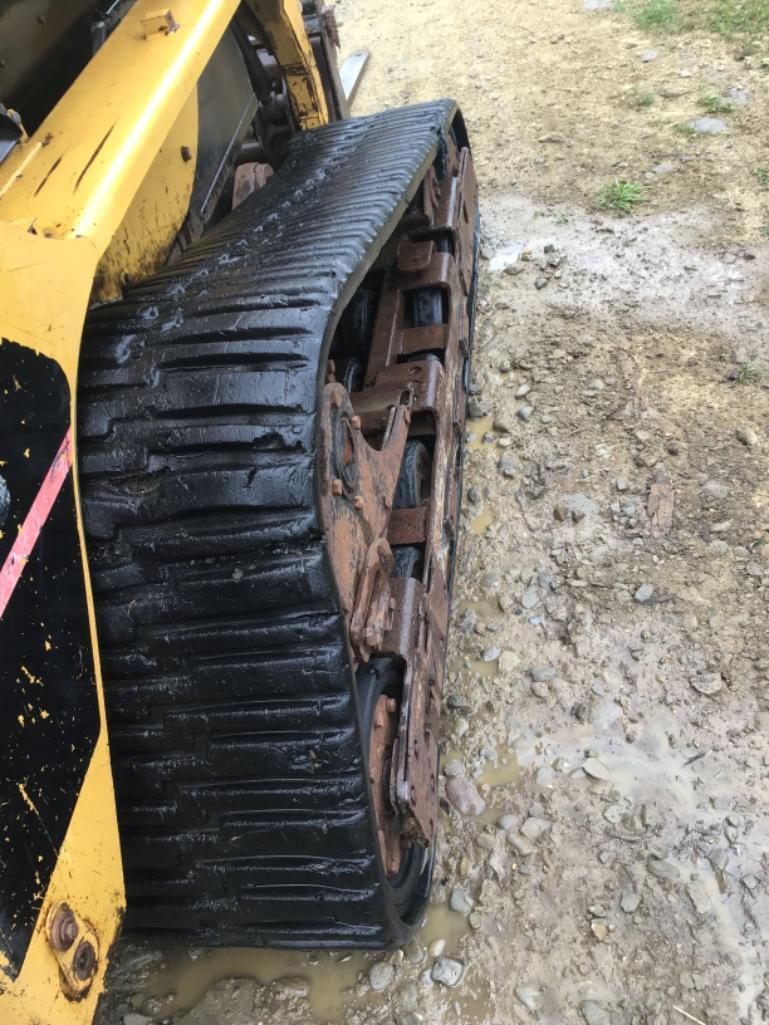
(609,683)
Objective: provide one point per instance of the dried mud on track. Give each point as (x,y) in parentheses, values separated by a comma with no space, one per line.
(608,693)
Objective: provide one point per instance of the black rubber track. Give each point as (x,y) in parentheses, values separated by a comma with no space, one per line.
(243,799)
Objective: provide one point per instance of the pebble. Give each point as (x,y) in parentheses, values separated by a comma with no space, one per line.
(477,408)
(522,390)
(502,425)
(620,484)
(707,683)
(528,997)
(663,869)
(561,513)
(600,930)
(524,413)
(506,822)
(708,125)
(447,971)
(534,828)
(540,690)
(522,847)
(381,976)
(529,599)
(542,674)
(629,900)
(593,1013)
(491,654)
(644,594)
(508,662)
(541,282)
(460,901)
(508,467)
(699,898)
(663,168)
(454,768)
(462,795)
(436,948)
(595,768)
(648,55)
(747,436)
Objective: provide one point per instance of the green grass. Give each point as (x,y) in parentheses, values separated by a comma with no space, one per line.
(713,103)
(639,100)
(653,15)
(762,176)
(620,197)
(727,17)
(684,128)
(749,373)
(765,231)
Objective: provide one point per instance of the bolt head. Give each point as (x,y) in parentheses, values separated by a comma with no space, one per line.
(84,962)
(64,929)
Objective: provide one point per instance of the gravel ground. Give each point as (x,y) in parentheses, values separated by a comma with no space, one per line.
(607,701)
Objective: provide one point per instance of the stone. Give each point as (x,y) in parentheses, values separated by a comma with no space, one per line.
(508,662)
(708,684)
(708,125)
(239,997)
(595,768)
(594,1014)
(662,869)
(454,768)
(522,390)
(508,467)
(462,795)
(648,56)
(491,654)
(460,901)
(644,594)
(600,930)
(523,848)
(292,986)
(447,971)
(561,512)
(524,413)
(530,598)
(528,997)
(662,169)
(542,674)
(620,484)
(580,506)
(132,1018)
(381,976)
(629,900)
(698,896)
(437,947)
(507,822)
(541,282)
(502,425)
(747,436)
(477,407)
(540,690)
(534,828)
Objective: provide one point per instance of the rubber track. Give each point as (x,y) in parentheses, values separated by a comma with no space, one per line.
(243,800)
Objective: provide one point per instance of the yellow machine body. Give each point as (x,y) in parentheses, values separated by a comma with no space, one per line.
(100,191)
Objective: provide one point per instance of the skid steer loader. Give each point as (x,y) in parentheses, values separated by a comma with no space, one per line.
(236,326)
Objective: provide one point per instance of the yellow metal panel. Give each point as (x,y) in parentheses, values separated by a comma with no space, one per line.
(283,25)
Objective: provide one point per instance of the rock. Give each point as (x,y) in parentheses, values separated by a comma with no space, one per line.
(381,976)
(595,768)
(534,828)
(462,795)
(132,1018)
(522,847)
(507,822)
(542,674)
(707,683)
(508,662)
(524,413)
(698,896)
(522,390)
(738,97)
(292,986)
(594,1014)
(541,282)
(477,407)
(600,930)
(662,169)
(708,126)
(503,425)
(473,495)
(629,900)
(621,484)
(460,901)
(447,971)
(407,997)
(454,768)
(528,997)
(436,948)
(561,512)
(508,467)
(663,869)
(580,506)
(747,436)
(644,594)
(491,654)
(540,690)
(648,56)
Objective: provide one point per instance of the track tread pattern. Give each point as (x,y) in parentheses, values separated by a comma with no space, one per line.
(241,788)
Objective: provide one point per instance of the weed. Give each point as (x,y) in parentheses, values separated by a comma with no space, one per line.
(712,103)
(733,17)
(762,175)
(654,15)
(765,231)
(749,373)
(620,196)
(639,101)
(685,129)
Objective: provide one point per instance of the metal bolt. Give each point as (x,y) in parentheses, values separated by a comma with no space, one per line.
(64,929)
(336,486)
(84,961)
(358,502)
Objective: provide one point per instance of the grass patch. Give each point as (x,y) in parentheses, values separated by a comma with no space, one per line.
(637,100)
(684,128)
(749,373)
(620,197)
(654,15)
(762,177)
(712,103)
(739,17)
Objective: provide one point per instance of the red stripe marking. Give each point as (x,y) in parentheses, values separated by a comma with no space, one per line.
(38,513)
